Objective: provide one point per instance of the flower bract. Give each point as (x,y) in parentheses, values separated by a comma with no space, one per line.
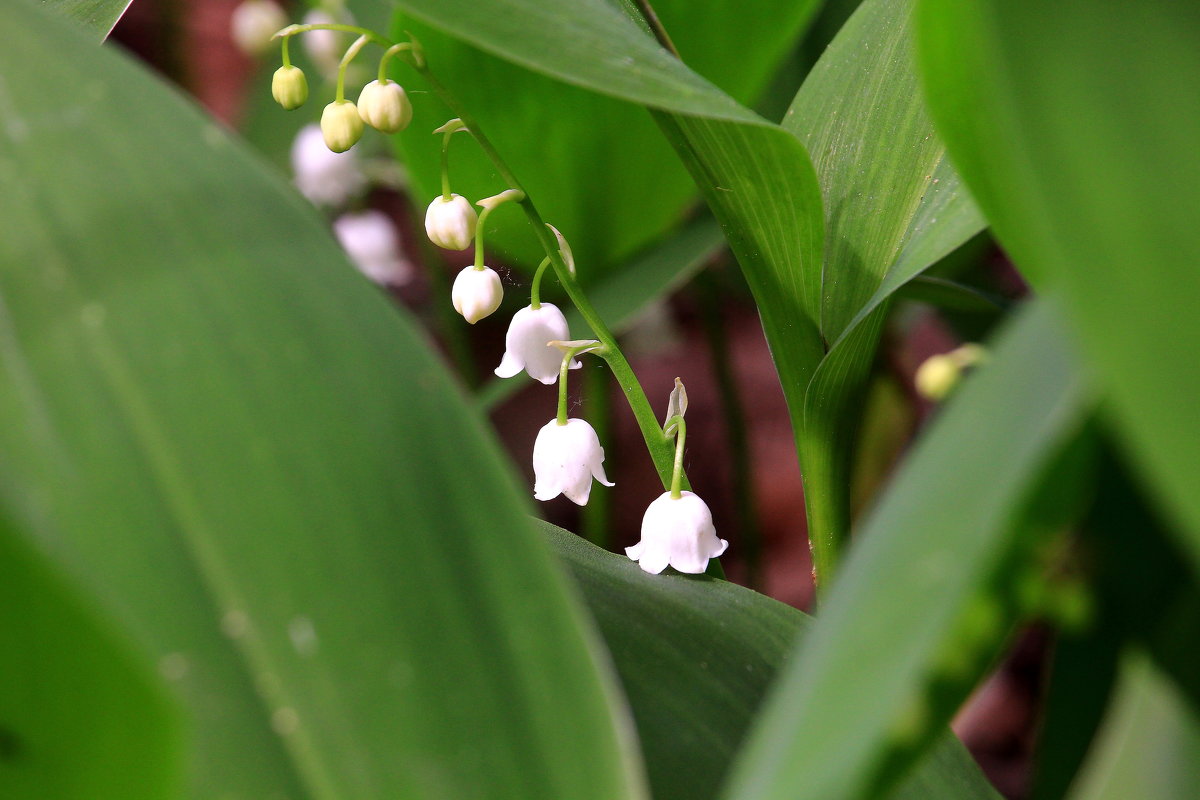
(385,106)
(476,293)
(565,459)
(526,344)
(341,125)
(677,532)
(451,223)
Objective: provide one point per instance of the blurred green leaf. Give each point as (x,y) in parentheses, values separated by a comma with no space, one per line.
(97,16)
(696,656)
(255,461)
(862,692)
(1150,746)
(597,167)
(893,207)
(1076,124)
(81,716)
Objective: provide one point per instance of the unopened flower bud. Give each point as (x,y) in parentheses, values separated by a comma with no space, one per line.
(677,532)
(476,293)
(565,459)
(938,375)
(451,223)
(341,125)
(289,87)
(385,106)
(253,24)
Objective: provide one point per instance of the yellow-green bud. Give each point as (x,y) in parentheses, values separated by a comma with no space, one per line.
(289,87)
(936,377)
(385,106)
(341,125)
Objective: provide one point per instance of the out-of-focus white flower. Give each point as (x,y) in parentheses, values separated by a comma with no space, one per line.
(341,125)
(526,344)
(385,106)
(324,47)
(253,24)
(677,532)
(323,176)
(289,87)
(370,239)
(451,223)
(565,459)
(476,293)
(938,375)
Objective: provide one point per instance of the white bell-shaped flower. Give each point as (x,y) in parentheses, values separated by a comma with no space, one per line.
(476,293)
(253,24)
(451,223)
(341,125)
(323,176)
(677,532)
(385,106)
(526,344)
(370,239)
(565,459)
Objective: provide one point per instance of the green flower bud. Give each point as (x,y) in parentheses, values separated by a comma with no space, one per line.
(341,125)
(289,87)
(385,106)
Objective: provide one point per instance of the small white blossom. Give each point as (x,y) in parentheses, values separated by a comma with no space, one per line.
(289,87)
(341,125)
(677,532)
(565,459)
(325,47)
(323,176)
(370,239)
(476,293)
(385,106)
(253,24)
(451,223)
(526,345)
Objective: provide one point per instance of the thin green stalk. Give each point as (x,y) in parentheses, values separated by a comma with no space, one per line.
(677,468)
(659,447)
(535,295)
(351,52)
(595,518)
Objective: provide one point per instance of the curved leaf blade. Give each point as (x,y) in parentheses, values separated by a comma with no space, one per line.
(98,16)
(252,458)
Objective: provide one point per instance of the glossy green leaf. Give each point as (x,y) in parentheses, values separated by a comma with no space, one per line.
(696,656)
(1075,125)
(254,460)
(624,293)
(860,688)
(893,207)
(81,716)
(97,16)
(596,167)
(1150,747)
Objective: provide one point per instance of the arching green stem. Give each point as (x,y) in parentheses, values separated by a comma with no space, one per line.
(535,298)
(351,52)
(680,427)
(391,52)
(562,376)
(286,56)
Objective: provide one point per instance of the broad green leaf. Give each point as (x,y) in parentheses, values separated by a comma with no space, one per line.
(81,716)
(622,294)
(254,460)
(893,207)
(696,657)
(862,688)
(597,167)
(1150,747)
(97,16)
(1075,125)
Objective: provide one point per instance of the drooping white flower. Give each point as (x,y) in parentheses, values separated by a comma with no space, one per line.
(677,532)
(526,344)
(341,125)
(253,24)
(289,87)
(565,459)
(323,176)
(476,293)
(451,223)
(385,106)
(370,239)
